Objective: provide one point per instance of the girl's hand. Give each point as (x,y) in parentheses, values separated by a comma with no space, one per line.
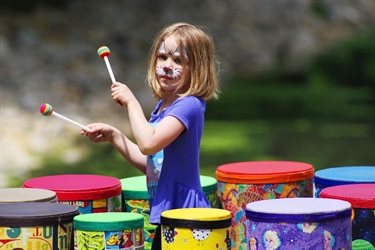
(121,94)
(100,132)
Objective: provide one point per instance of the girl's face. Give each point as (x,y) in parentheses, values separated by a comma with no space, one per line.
(169,68)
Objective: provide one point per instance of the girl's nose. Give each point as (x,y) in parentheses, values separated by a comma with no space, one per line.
(167,68)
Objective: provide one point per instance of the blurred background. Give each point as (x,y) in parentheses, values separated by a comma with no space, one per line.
(297,81)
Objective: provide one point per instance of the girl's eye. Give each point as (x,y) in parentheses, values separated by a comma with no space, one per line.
(163,57)
(178,60)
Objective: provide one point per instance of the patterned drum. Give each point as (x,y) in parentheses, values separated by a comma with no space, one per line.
(135,200)
(108,231)
(362,199)
(244,182)
(196,228)
(36,226)
(10,195)
(343,175)
(209,186)
(303,223)
(91,193)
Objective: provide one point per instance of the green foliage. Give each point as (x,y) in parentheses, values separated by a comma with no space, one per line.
(339,85)
(348,63)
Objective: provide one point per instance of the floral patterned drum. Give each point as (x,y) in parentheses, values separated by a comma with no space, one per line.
(302,223)
(196,228)
(117,231)
(91,193)
(362,199)
(244,182)
(37,225)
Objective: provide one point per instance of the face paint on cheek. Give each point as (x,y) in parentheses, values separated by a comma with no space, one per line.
(177,73)
(159,70)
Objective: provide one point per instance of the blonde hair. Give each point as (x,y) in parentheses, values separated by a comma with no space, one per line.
(202,64)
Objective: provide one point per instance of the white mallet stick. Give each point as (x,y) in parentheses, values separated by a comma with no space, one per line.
(46,110)
(104,53)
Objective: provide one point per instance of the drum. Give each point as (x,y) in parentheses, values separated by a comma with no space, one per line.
(135,200)
(244,182)
(343,175)
(362,199)
(209,186)
(91,193)
(362,245)
(37,225)
(196,228)
(108,231)
(303,223)
(10,195)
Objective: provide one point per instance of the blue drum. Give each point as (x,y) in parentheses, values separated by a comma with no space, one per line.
(343,175)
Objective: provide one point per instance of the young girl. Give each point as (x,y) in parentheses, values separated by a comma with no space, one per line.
(182,73)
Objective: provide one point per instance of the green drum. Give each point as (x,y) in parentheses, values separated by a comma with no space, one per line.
(135,200)
(108,230)
(209,186)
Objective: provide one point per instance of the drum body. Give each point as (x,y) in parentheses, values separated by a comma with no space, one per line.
(303,223)
(362,199)
(37,225)
(91,193)
(343,175)
(11,195)
(135,200)
(245,182)
(196,228)
(209,186)
(97,231)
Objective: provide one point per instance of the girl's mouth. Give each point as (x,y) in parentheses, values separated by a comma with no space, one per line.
(167,77)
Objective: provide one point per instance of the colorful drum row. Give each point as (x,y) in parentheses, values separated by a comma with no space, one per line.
(303,223)
(238,186)
(248,182)
(98,194)
(52,226)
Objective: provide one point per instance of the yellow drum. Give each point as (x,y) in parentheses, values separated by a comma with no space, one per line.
(196,228)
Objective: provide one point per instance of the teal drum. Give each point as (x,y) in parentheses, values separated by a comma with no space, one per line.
(343,175)
(110,230)
(37,226)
